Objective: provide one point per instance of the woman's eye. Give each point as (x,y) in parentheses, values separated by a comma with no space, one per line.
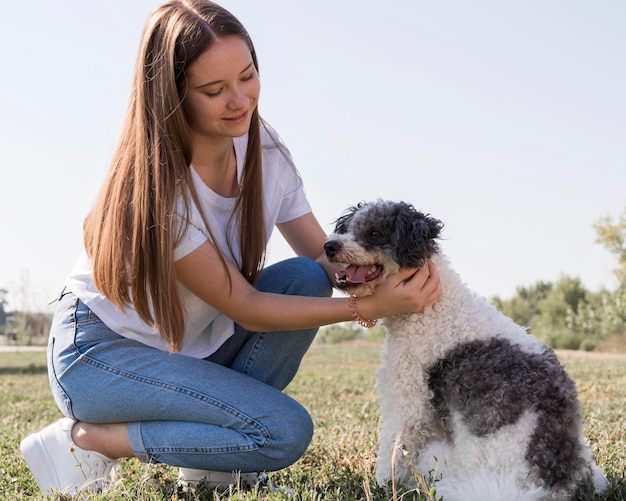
(214,94)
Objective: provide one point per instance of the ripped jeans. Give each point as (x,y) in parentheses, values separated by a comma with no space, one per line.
(223,413)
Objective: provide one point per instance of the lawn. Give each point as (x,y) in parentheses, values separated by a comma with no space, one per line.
(336,383)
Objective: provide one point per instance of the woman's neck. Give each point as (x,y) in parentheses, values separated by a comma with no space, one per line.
(217,167)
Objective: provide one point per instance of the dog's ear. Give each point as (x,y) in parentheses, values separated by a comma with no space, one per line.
(413,240)
(342,223)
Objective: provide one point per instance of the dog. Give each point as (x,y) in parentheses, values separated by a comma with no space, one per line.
(468,399)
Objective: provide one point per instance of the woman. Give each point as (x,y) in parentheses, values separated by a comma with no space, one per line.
(171,342)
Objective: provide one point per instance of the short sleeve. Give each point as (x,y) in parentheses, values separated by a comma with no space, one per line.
(284,189)
(192,237)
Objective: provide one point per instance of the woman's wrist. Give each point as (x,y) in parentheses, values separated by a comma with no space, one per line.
(363,322)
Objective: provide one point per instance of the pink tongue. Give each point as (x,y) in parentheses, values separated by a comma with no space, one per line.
(356,274)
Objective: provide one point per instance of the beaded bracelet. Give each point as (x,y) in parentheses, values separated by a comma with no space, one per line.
(358,318)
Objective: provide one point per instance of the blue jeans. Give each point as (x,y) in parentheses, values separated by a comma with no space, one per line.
(223,413)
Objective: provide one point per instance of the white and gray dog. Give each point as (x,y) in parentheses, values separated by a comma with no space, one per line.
(467,396)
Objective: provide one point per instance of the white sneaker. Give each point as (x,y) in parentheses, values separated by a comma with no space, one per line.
(221,480)
(57,463)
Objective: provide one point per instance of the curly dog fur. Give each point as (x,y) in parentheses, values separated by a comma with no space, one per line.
(467,396)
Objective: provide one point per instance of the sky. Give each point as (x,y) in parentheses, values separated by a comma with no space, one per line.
(504,119)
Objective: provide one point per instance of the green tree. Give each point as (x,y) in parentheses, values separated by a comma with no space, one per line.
(523,308)
(337,333)
(561,303)
(3,313)
(600,318)
(612,235)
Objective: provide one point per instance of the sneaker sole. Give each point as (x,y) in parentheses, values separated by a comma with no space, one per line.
(39,461)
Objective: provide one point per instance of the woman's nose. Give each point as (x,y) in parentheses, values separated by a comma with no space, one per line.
(238,99)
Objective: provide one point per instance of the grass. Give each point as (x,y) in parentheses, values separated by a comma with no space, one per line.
(336,383)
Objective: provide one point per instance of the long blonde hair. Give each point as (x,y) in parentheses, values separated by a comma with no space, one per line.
(131,232)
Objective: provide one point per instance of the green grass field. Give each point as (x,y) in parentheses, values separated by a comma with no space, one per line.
(336,383)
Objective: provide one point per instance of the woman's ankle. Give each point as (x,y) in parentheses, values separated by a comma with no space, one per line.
(109,439)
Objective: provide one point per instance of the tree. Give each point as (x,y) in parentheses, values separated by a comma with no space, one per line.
(3,313)
(337,333)
(566,295)
(600,318)
(524,306)
(563,301)
(612,235)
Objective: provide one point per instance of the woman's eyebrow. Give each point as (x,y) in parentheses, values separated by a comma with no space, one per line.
(208,84)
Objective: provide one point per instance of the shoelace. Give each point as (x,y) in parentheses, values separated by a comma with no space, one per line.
(99,471)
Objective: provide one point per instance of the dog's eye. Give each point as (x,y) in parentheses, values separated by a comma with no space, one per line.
(376,236)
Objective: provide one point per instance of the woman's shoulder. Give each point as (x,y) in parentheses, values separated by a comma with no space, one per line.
(269,137)
(274,149)
(270,140)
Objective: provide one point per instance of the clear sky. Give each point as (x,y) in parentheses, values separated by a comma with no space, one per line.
(504,119)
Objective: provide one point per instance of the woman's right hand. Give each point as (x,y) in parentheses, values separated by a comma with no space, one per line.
(408,291)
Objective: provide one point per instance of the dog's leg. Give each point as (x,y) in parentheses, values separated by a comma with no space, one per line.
(400,446)
(385,467)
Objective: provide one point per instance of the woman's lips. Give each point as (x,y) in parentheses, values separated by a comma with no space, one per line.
(237,119)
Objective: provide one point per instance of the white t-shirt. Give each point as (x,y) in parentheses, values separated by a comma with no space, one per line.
(206,328)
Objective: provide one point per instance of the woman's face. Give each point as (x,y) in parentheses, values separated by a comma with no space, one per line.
(223,90)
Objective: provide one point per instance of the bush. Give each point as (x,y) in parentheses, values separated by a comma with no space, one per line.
(602,318)
(562,340)
(566,316)
(338,333)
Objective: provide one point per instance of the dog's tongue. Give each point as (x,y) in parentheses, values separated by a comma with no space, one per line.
(357,274)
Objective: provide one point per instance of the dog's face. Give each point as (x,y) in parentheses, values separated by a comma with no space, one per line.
(376,239)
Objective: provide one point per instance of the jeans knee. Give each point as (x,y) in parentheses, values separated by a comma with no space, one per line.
(298,276)
(293,439)
(307,277)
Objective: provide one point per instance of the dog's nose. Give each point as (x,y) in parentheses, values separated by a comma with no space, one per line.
(332,247)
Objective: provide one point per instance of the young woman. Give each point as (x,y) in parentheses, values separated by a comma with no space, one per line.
(171,342)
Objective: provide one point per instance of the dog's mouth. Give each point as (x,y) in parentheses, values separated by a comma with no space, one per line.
(354,274)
